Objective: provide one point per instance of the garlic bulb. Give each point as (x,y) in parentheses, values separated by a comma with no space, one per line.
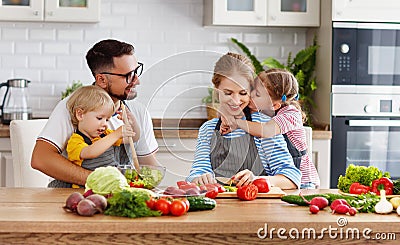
(383,206)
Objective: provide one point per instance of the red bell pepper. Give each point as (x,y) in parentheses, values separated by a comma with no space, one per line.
(382,184)
(357,188)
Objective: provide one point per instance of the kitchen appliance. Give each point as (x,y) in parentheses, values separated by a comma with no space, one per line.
(365,98)
(15,105)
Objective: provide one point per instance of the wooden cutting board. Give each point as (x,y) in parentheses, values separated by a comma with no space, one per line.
(274,192)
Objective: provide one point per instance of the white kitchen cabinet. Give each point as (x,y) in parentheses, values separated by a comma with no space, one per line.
(293,13)
(366,10)
(262,12)
(235,12)
(177,156)
(6,164)
(321,157)
(50,10)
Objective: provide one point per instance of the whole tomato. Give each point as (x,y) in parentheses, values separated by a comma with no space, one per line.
(262,185)
(212,193)
(247,193)
(163,206)
(151,203)
(178,207)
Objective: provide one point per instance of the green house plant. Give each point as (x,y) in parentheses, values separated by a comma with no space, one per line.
(302,66)
(75,85)
(212,103)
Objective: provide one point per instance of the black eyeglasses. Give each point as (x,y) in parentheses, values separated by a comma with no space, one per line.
(130,75)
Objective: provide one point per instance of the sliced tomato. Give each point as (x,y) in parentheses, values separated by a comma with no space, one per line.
(247,193)
(186,201)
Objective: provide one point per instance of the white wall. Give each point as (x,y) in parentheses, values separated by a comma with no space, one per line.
(169,37)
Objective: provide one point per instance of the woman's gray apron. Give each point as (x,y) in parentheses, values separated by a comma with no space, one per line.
(113,156)
(232,155)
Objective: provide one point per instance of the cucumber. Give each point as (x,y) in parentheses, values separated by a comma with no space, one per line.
(201,203)
(296,199)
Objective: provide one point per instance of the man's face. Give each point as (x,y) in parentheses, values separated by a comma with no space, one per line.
(117,86)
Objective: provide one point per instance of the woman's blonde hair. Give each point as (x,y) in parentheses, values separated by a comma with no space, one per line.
(281,86)
(233,64)
(89,98)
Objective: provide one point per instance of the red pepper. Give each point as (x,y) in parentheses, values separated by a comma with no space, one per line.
(357,188)
(382,184)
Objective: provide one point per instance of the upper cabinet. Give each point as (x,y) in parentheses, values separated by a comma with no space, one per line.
(50,10)
(366,10)
(293,13)
(262,12)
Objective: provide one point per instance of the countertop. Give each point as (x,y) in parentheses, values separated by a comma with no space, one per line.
(188,128)
(174,128)
(35,215)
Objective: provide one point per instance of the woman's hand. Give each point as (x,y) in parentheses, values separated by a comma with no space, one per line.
(244,177)
(207,178)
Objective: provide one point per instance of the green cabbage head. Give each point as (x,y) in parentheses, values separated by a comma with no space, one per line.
(106,180)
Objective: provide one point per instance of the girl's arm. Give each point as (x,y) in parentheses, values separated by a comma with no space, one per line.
(100,146)
(263,130)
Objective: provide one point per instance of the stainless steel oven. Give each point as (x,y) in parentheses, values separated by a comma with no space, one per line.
(365,99)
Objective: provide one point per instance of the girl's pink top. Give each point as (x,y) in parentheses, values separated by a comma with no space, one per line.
(290,121)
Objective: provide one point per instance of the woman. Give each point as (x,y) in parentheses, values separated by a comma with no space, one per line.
(238,154)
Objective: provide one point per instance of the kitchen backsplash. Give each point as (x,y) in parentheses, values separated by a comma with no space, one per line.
(169,37)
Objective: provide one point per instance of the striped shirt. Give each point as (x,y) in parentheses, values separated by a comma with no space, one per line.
(290,122)
(273,152)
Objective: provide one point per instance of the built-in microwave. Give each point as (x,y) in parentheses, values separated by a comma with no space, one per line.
(366,54)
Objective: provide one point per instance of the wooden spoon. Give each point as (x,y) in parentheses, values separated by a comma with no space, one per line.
(134,156)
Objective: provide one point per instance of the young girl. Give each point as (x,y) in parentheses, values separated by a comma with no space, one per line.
(90,108)
(238,154)
(275,93)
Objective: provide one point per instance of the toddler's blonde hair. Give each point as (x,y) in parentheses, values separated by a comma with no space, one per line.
(89,98)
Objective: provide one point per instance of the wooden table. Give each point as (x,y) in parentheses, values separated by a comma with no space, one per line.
(35,216)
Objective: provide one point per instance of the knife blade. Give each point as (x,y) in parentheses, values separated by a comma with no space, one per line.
(225,180)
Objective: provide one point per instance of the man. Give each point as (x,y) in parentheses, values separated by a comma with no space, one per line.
(116,70)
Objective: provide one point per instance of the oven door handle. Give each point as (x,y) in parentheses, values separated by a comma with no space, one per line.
(372,123)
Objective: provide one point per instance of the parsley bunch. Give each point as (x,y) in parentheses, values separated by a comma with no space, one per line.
(130,204)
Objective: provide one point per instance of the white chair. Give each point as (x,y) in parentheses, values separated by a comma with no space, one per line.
(23,134)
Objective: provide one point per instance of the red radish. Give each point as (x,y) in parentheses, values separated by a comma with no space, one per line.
(337,202)
(352,211)
(320,202)
(341,209)
(314,209)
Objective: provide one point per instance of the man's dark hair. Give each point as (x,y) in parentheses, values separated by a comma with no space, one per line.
(100,57)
